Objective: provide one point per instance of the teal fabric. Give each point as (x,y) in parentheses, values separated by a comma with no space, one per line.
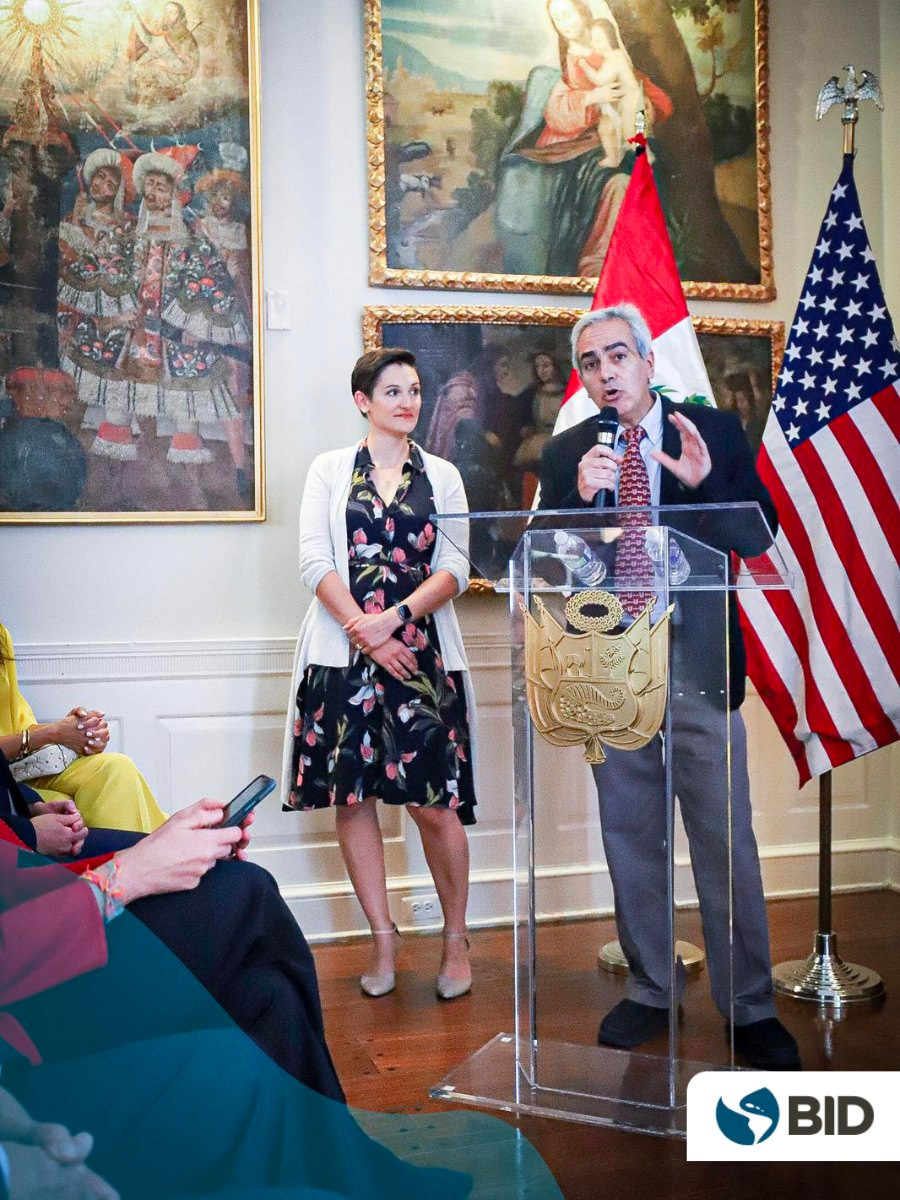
(182,1103)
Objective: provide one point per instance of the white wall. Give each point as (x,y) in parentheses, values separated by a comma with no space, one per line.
(210,712)
(890,82)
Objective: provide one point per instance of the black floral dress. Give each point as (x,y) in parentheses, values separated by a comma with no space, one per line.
(358,731)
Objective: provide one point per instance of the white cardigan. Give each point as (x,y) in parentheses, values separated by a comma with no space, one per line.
(323,548)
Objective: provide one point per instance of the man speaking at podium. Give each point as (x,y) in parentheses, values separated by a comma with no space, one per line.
(662,456)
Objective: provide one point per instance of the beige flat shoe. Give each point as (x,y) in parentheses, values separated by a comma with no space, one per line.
(384,981)
(450,989)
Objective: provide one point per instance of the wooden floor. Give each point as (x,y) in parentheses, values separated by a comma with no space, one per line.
(389,1051)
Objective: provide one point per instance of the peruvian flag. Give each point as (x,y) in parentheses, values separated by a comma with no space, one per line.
(640,269)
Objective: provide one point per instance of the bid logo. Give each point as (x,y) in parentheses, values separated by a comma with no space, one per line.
(780,1116)
(756,1121)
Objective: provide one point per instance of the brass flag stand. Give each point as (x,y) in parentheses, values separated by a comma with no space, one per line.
(824,977)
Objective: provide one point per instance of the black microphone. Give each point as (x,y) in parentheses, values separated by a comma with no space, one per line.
(607,429)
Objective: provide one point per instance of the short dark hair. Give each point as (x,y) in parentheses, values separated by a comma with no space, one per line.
(367,368)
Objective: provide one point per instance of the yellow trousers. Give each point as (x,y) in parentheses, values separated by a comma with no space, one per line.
(109,791)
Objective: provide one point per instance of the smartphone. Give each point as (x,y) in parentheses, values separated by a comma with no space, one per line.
(245,801)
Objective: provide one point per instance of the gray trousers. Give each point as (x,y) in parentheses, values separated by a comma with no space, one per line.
(631,791)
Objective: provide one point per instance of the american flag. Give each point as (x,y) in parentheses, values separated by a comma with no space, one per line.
(825,657)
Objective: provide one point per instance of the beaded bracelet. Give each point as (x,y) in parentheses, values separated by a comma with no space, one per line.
(106,879)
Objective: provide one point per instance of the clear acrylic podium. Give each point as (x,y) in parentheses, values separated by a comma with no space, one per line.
(691,558)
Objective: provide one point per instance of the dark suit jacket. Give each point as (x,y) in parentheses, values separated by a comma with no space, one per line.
(14,801)
(733,478)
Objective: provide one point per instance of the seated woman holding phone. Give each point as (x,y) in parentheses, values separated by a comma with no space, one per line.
(67,760)
(228,925)
(135,1050)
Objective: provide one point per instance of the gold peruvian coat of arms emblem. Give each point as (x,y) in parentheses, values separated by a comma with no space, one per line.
(594,687)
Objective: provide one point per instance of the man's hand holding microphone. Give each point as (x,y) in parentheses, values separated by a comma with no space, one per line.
(597,469)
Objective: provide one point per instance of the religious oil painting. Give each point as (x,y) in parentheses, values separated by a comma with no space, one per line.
(742,359)
(493,380)
(129,261)
(499,150)
(492,383)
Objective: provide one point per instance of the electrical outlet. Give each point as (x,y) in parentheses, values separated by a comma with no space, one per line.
(421,910)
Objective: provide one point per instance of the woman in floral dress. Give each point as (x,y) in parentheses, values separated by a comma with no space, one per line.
(383,703)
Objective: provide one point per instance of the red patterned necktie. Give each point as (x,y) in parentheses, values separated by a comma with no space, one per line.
(632,559)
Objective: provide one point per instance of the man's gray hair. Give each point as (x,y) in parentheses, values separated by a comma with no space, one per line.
(629,313)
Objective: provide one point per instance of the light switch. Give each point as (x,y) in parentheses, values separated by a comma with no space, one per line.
(278,310)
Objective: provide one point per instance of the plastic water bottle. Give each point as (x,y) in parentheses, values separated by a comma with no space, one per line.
(679,567)
(578,557)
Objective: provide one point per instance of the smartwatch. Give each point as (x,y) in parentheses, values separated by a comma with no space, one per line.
(404,612)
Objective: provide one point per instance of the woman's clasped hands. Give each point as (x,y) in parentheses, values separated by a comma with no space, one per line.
(371,633)
(58,826)
(82,730)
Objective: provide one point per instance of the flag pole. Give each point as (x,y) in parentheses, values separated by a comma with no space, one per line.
(611,956)
(824,977)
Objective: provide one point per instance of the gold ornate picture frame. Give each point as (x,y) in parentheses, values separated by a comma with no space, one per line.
(130,263)
(743,359)
(489,170)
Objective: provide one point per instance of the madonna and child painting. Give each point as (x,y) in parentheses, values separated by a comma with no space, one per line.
(505,139)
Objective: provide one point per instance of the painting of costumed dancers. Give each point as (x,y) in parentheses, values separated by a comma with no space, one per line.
(129,313)
(95,293)
(161,358)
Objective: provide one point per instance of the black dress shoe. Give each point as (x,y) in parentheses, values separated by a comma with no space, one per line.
(631,1024)
(767,1045)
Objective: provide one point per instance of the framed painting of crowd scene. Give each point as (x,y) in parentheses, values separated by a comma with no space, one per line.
(742,359)
(493,381)
(130,321)
(498,139)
